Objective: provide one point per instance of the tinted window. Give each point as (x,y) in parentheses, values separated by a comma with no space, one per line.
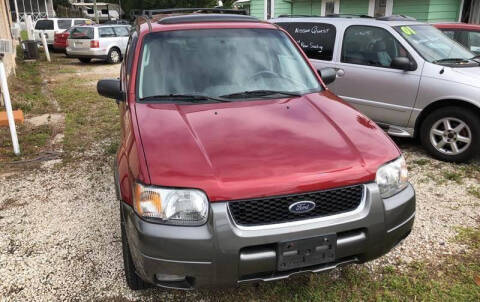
(132,44)
(369,45)
(79,22)
(82,33)
(105,32)
(474,37)
(218,62)
(64,24)
(449,33)
(316,39)
(44,25)
(121,31)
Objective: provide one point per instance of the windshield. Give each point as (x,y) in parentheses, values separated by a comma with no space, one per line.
(432,44)
(219,62)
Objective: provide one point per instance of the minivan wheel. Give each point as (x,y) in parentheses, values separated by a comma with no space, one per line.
(114,56)
(134,282)
(451,134)
(85,60)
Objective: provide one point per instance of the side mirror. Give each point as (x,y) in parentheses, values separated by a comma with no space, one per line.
(328,75)
(110,88)
(403,63)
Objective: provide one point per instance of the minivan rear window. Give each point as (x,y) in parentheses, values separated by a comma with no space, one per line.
(65,24)
(316,39)
(44,25)
(82,33)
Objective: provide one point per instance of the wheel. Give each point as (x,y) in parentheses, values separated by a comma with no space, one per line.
(134,282)
(85,60)
(451,134)
(114,56)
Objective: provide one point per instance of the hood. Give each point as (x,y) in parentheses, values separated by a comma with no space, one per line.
(249,149)
(469,75)
(463,75)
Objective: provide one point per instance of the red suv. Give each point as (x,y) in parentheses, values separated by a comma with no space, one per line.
(237,164)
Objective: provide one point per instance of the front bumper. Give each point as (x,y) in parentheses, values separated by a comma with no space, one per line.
(220,253)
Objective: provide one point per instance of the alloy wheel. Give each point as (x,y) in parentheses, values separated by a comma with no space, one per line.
(450,136)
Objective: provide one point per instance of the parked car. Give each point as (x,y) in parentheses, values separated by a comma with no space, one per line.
(60,40)
(232,171)
(466,34)
(51,26)
(105,42)
(406,75)
(119,21)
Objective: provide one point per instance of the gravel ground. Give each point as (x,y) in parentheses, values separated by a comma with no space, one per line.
(60,235)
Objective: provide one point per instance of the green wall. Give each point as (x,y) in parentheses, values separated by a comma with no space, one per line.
(357,7)
(422,10)
(417,9)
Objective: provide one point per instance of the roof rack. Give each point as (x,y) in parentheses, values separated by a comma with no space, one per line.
(152,12)
(145,20)
(396,18)
(297,16)
(194,18)
(348,16)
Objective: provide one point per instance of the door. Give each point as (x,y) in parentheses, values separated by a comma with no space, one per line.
(44,26)
(107,37)
(122,33)
(366,79)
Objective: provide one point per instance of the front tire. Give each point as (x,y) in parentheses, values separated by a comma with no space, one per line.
(134,282)
(114,56)
(451,134)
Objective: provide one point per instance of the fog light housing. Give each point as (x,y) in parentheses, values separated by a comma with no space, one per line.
(170,278)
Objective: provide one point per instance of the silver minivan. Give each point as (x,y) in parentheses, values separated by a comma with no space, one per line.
(51,26)
(105,42)
(406,75)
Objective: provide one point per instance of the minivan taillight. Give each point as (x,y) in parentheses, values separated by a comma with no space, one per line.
(94,44)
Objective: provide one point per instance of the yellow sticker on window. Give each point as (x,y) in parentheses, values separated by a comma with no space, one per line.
(408,30)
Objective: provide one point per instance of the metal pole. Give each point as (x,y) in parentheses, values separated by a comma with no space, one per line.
(8,107)
(17,15)
(95,11)
(46,8)
(24,11)
(45,47)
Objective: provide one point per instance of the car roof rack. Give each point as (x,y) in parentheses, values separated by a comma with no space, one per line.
(194,18)
(297,16)
(145,19)
(151,12)
(396,18)
(348,16)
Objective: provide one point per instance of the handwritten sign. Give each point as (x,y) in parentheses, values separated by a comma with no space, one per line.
(316,39)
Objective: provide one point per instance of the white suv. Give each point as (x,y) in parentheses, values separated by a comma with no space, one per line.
(51,26)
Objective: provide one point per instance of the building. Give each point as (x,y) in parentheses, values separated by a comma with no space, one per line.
(423,10)
(36,8)
(6,34)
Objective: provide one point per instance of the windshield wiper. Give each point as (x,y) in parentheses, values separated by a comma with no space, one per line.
(454,60)
(259,93)
(183,98)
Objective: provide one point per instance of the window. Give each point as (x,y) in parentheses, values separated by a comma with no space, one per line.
(79,22)
(214,62)
(64,23)
(82,33)
(106,32)
(329,7)
(449,33)
(316,39)
(104,11)
(132,44)
(121,31)
(474,37)
(44,25)
(369,45)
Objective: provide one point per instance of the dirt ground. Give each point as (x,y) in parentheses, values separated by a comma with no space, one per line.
(59,222)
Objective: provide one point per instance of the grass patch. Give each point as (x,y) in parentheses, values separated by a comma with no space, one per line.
(89,118)
(475,191)
(453,176)
(421,162)
(31,140)
(24,35)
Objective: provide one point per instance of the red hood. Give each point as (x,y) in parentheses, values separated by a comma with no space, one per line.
(261,148)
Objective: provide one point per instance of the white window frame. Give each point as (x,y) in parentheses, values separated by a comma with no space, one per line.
(336,7)
(388,8)
(272,8)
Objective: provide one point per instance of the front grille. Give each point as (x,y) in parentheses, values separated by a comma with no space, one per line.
(269,210)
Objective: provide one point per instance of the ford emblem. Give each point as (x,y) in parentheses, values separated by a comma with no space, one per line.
(300,207)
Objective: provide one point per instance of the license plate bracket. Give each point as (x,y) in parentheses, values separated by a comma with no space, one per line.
(306,252)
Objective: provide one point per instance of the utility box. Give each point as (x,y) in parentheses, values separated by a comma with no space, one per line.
(30,50)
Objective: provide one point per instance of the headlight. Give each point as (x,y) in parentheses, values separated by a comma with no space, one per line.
(392,177)
(171,206)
